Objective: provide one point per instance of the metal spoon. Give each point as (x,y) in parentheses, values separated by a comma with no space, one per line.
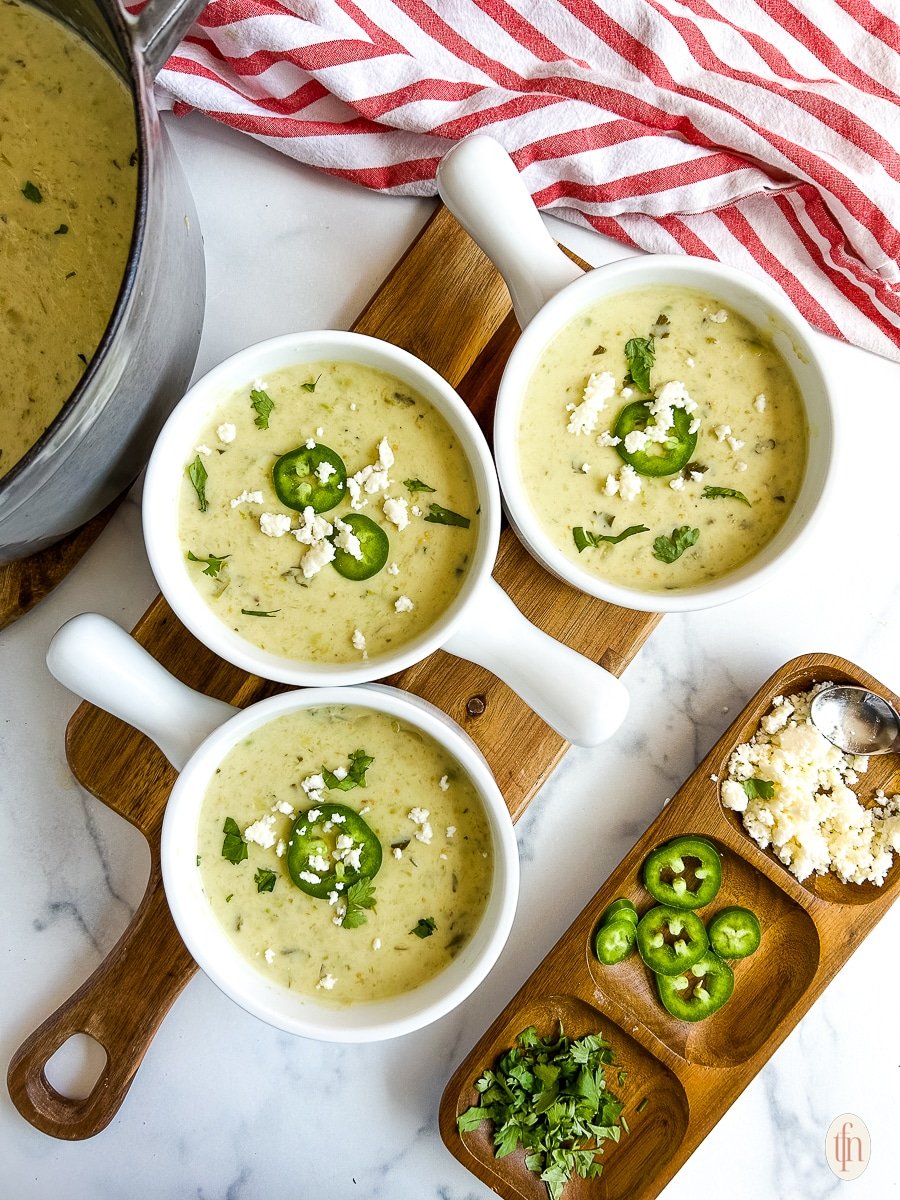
(856,720)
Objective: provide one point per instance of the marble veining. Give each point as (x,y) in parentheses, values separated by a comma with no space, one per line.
(226,1108)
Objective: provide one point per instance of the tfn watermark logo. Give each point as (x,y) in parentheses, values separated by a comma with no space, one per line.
(848,1146)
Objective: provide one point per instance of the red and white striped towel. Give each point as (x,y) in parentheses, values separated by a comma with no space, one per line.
(760,132)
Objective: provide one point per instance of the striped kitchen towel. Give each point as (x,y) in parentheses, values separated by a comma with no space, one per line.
(763,133)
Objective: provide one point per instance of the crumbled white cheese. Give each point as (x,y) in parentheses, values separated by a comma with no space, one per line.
(314,786)
(694,425)
(814,821)
(261,832)
(320,432)
(269,955)
(677,484)
(319,863)
(760,402)
(316,558)
(451,832)
(719,317)
(310,443)
(327,982)
(419,817)
(403,604)
(397,852)
(607,438)
(627,484)
(280,848)
(284,807)
(443,783)
(274,524)
(227,432)
(313,529)
(372,478)
(722,432)
(585,468)
(376,943)
(598,389)
(735,443)
(347,540)
(309,877)
(201,449)
(393,569)
(247,498)
(325,470)
(416,510)
(396,509)
(359,641)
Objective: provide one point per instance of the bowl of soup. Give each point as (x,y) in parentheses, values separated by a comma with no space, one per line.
(339,861)
(322,508)
(664,430)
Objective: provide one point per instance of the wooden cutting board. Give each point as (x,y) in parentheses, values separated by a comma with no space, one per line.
(689,1073)
(445,303)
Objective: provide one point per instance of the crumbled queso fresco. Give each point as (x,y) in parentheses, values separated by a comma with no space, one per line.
(813,821)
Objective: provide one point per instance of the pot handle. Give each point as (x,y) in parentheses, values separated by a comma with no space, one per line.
(159,27)
(575,696)
(96,659)
(479,183)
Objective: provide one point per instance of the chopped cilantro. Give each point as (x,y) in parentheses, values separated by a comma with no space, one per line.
(584,537)
(262,404)
(667,549)
(213,563)
(234,848)
(359,896)
(196,473)
(265,880)
(445,516)
(640,353)
(356,773)
(758,789)
(32,192)
(714,493)
(424,927)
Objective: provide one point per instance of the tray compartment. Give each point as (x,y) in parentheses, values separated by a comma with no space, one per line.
(655,1134)
(768,984)
(883,772)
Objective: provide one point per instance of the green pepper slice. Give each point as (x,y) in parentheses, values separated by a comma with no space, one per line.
(314,835)
(670,940)
(621,909)
(614,941)
(373,542)
(734,932)
(684,873)
(299,482)
(658,458)
(699,991)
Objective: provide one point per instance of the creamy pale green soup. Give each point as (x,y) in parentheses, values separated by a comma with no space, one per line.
(315,614)
(68,179)
(437,855)
(747,415)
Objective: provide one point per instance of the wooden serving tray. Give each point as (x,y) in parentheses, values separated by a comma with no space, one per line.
(689,1073)
(446,304)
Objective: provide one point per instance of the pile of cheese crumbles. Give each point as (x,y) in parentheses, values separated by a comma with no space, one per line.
(814,821)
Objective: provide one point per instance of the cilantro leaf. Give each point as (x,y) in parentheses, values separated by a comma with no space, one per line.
(262,404)
(32,192)
(416,485)
(196,473)
(714,493)
(445,516)
(234,848)
(308,387)
(356,773)
(758,789)
(213,563)
(584,537)
(640,353)
(62,229)
(359,896)
(424,927)
(258,612)
(265,880)
(667,549)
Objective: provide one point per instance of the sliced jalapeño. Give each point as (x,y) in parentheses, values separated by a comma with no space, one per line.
(318,836)
(373,544)
(310,477)
(656,458)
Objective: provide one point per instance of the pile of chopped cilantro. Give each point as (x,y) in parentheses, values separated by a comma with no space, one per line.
(549,1095)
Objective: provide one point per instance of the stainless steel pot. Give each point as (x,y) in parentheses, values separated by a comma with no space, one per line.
(100,440)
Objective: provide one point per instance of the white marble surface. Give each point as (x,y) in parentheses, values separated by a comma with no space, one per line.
(225,1108)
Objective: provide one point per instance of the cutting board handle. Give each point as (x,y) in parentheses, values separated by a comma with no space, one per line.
(121,1006)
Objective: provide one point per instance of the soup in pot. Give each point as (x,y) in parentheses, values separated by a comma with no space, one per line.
(68,186)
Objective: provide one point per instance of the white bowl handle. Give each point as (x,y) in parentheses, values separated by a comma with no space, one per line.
(575,696)
(479,183)
(96,659)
